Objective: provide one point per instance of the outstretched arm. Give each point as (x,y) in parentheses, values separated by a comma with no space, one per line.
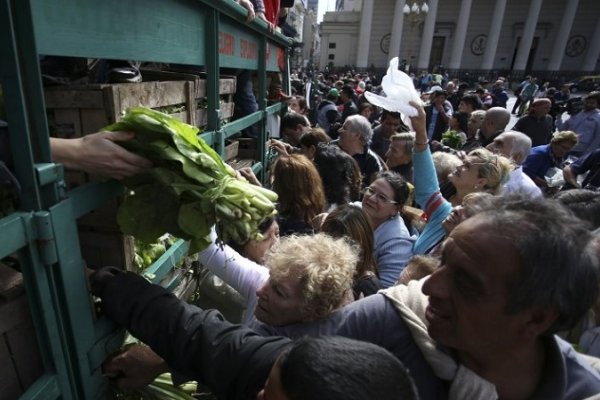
(232,360)
(99,154)
(427,188)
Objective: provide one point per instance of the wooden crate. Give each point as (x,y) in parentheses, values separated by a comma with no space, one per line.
(227,83)
(21,363)
(231,150)
(74,111)
(227,87)
(227,110)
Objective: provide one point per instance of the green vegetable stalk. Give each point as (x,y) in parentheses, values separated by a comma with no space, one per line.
(161,389)
(189,188)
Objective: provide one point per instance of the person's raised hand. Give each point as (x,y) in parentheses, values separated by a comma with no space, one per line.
(248,173)
(280,147)
(418,121)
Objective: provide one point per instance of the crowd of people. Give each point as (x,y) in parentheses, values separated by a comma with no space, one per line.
(438,256)
(489,249)
(443,255)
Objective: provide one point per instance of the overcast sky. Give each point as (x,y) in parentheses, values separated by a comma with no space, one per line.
(325,5)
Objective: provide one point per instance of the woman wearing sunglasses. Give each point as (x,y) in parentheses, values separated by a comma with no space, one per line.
(480,171)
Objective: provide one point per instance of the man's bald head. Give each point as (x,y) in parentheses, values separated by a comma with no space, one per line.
(540,107)
(496,119)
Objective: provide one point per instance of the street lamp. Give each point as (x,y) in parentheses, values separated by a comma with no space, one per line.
(415,14)
(415,10)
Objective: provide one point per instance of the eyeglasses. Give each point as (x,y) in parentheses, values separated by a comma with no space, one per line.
(491,160)
(369,191)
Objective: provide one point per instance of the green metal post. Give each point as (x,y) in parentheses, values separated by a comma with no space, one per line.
(212,83)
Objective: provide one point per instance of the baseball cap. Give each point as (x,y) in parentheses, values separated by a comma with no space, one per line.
(333,92)
(434,89)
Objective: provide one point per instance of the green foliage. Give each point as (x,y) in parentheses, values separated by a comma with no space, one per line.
(189,188)
(452,138)
(147,253)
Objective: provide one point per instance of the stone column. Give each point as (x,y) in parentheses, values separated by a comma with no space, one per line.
(494,35)
(427,37)
(528,34)
(560,42)
(460,34)
(397,25)
(593,52)
(364,36)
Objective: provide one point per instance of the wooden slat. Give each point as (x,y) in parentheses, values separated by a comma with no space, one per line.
(11,283)
(93,120)
(13,313)
(9,381)
(150,94)
(26,355)
(67,123)
(74,97)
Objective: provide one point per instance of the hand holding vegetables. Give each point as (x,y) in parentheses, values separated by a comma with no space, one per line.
(189,188)
(99,154)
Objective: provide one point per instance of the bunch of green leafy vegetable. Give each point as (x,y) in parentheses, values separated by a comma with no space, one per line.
(147,253)
(189,188)
(452,138)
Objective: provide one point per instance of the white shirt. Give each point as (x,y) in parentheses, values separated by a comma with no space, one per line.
(237,271)
(521,183)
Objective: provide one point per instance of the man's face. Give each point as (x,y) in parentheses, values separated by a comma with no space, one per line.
(347,136)
(474,124)
(503,144)
(344,97)
(465,107)
(293,135)
(487,126)
(396,154)
(439,99)
(469,293)
(590,103)
(390,125)
(540,108)
(293,105)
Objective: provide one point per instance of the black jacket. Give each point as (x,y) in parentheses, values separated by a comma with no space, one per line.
(440,125)
(233,361)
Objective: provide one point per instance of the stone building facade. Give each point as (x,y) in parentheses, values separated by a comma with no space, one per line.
(550,37)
